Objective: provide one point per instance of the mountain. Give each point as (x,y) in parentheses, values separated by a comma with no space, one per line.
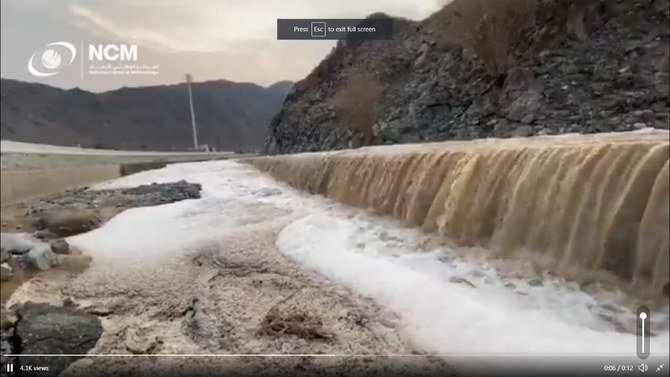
(229,115)
(479,69)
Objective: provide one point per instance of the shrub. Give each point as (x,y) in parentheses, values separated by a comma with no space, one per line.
(355,105)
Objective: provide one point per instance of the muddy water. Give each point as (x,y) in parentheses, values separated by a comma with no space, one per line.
(590,202)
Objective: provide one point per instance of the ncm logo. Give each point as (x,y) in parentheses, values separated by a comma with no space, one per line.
(51,59)
(55,56)
(111,52)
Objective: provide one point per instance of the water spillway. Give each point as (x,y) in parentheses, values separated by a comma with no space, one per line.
(588,202)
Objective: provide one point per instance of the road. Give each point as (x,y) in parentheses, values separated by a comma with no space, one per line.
(29,156)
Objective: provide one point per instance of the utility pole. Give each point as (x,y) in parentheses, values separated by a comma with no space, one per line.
(190,101)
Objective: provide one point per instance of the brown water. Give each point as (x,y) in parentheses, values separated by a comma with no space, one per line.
(594,202)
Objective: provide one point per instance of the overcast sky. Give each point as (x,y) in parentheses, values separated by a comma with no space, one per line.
(224,39)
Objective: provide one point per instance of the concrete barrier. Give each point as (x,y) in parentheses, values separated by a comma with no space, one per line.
(26,184)
(26,176)
(128,169)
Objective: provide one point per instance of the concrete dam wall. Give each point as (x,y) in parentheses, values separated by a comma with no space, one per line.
(586,202)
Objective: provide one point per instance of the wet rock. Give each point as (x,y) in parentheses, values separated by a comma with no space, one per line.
(68,222)
(160,193)
(44,235)
(268,191)
(6,348)
(88,209)
(106,213)
(41,257)
(48,329)
(8,343)
(461,280)
(535,282)
(8,318)
(60,246)
(6,272)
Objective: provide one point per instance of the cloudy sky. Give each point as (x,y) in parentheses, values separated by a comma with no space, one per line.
(212,39)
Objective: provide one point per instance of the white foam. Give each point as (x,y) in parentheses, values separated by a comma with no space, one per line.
(378,257)
(451,317)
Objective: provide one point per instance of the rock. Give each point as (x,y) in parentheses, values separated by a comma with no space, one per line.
(6,272)
(567,86)
(106,213)
(60,246)
(4,256)
(44,235)
(640,125)
(535,282)
(67,301)
(48,329)
(6,348)
(68,222)
(661,5)
(522,131)
(392,134)
(268,191)
(41,257)
(460,280)
(524,94)
(502,128)
(8,318)
(423,54)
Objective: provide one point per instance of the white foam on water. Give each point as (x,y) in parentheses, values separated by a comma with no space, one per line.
(445,315)
(429,287)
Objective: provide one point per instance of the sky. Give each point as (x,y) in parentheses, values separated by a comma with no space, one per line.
(211,39)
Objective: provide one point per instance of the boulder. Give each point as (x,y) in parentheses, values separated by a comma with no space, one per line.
(49,329)
(522,131)
(8,318)
(60,246)
(41,257)
(4,256)
(68,222)
(6,272)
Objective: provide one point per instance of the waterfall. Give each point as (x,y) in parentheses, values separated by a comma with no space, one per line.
(595,202)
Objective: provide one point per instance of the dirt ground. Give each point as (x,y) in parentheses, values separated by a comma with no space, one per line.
(12,219)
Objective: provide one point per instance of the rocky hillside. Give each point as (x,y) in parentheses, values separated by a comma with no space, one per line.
(229,115)
(535,67)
